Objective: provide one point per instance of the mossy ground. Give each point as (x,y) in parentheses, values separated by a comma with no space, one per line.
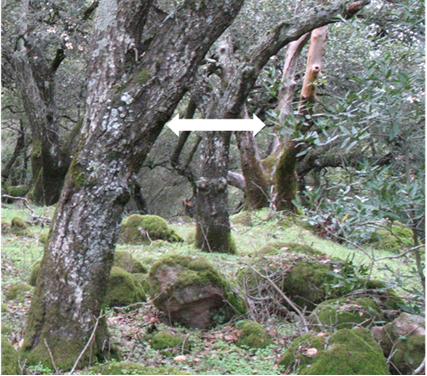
(214,351)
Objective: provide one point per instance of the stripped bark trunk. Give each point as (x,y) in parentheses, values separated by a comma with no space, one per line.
(125,114)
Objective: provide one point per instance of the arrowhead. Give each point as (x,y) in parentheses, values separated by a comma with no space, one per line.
(174,125)
(257,125)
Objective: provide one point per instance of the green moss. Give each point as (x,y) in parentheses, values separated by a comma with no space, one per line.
(191,237)
(126,261)
(143,76)
(395,239)
(18,291)
(34,273)
(166,340)
(296,355)
(5,329)
(9,358)
(4,308)
(44,237)
(286,180)
(18,190)
(346,313)
(350,352)
(219,241)
(123,289)
(253,335)
(129,368)
(142,279)
(19,227)
(142,229)
(273,248)
(243,218)
(5,227)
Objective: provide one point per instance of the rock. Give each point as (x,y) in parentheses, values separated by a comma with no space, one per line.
(18,291)
(143,229)
(253,335)
(166,340)
(129,368)
(9,358)
(243,218)
(126,261)
(345,313)
(18,190)
(123,289)
(405,337)
(295,357)
(20,227)
(274,248)
(350,352)
(192,292)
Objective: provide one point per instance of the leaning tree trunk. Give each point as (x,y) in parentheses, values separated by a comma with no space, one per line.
(286,183)
(213,232)
(124,116)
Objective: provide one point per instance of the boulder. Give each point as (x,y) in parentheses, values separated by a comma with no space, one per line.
(345,313)
(253,335)
(348,352)
(123,289)
(126,261)
(143,229)
(166,342)
(274,248)
(244,218)
(192,292)
(9,358)
(20,227)
(404,339)
(18,190)
(18,291)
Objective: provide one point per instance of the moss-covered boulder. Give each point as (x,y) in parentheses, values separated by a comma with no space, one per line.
(253,335)
(396,238)
(142,279)
(350,352)
(346,313)
(166,342)
(123,289)
(300,353)
(129,368)
(126,261)
(244,218)
(18,190)
(4,308)
(274,248)
(143,229)
(20,227)
(9,358)
(18,291)
(403,340)
(192,292)
(191,237)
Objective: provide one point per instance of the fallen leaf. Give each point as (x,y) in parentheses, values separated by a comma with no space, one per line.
(321,334)
(311,352)
(180,358)
(231,338)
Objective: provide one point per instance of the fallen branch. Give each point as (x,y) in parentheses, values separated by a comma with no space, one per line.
(36,219)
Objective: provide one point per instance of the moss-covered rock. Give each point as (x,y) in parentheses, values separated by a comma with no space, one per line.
(18,291)
(9,358)
(142,229)
(192,292)
(123,289)
(394,239)
(129,368)
(300,353)
(244,218)
(166,341)
(403,340)
(191,237)
(5,227)
(253,335)
(126,261)
(34,273)
(346,313)
(20,227)
(273,248)
(142,279)
(4,308)
(349,352)
(18,190)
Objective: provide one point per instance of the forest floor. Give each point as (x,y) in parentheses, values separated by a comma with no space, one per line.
(212,351)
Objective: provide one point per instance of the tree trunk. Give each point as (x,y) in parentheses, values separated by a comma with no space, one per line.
(213,232)
(124,116)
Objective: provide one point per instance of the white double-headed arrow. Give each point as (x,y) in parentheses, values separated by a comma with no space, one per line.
(209,125)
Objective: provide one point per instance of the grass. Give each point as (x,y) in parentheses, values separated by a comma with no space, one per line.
(212,352)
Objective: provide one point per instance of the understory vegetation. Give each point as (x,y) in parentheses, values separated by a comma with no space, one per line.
(218,350)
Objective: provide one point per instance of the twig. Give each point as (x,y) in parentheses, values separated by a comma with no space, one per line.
(27,205)
(420,368)
(50,354)
(289,301)
(88,343)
